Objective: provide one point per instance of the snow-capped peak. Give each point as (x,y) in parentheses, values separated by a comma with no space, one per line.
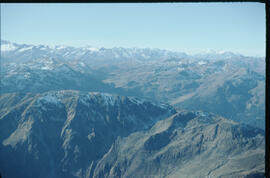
(8,46)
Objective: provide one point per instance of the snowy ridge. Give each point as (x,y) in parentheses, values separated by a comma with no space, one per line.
(116,52)
(25,49)
(8,47)
(137,101)
(160,75)
(88,51)
(137,136)
(49,98)
(105,99)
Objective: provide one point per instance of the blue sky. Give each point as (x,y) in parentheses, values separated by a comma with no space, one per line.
(186,27)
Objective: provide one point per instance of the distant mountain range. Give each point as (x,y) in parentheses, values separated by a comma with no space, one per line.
(231,85)
(25,52)
(81,134)
(129,112)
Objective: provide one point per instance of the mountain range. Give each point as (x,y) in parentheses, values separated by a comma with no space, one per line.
(228,84)
(81,134)
(130,112)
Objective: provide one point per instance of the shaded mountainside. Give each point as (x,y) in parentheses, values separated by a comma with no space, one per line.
(187,144)
(80,134)
(64,133)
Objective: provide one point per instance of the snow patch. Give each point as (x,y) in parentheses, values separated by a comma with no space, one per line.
(145,56)
(49,98)
(60,47)
(85,100)
(26,75)
(137,101)
(82,64)
(25,49)
(46,68)
(179,69)
(201,63)
(7,47)
(108,99)
(92,49)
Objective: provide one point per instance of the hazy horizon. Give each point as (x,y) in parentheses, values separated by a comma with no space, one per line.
(206,51)
(185,27)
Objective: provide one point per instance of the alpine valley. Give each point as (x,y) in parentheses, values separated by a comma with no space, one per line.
(69,112)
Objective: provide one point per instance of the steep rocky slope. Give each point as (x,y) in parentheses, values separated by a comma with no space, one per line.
(80,134)
(187,144)
(64,133)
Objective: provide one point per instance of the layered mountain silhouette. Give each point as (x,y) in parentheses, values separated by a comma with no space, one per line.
(80,134)
(227,84)
(130,112)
